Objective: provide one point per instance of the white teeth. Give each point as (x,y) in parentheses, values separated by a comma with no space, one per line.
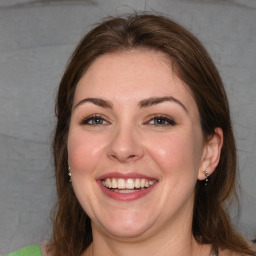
(127,184)
(142,183)
(121,183)
(124,191)
(137,183)
(108,183)
(114,183)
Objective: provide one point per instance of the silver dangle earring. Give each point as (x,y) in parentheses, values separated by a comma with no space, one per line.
(69,174)
(206,180)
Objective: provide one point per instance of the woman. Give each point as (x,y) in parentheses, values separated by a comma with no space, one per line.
(144,151)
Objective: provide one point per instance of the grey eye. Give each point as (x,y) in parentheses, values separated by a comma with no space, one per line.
(94,120)
(161,120)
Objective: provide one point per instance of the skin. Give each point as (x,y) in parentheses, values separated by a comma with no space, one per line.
(128,139)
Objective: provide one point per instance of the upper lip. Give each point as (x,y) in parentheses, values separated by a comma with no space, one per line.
(131,175)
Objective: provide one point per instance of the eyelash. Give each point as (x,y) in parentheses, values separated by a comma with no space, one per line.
(159,120)
(167,121)
(92,120)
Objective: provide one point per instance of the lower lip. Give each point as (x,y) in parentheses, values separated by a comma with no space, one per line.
(126,196)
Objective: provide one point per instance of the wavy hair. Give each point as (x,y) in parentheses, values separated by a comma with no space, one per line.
(72,232)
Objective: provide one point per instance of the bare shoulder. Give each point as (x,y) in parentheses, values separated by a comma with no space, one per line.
(231,253)
(43,249)
(253,246)
(227,252)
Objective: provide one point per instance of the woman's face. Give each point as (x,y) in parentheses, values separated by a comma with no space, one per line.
(135,145)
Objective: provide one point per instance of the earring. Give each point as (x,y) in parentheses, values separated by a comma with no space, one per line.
(206,180)
(69,174)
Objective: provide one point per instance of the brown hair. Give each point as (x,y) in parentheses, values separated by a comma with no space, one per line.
(211,224)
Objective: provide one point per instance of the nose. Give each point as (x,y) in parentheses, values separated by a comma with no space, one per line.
(125,145)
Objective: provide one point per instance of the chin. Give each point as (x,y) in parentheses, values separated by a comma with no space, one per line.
(126,232)
(124,226)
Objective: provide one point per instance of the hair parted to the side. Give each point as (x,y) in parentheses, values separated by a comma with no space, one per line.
(72,232)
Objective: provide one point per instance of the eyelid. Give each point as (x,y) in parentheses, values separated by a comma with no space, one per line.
(170,120)
(93,116)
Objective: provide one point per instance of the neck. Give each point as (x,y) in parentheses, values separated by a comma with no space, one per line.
(171,238)
(163,243)
(128,248)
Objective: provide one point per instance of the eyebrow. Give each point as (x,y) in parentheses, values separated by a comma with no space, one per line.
(142,104)
(97,101)
(156,100)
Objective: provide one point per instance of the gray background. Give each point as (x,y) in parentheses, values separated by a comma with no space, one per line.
(36,39)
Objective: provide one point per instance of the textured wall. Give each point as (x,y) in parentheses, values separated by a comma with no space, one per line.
(36,39)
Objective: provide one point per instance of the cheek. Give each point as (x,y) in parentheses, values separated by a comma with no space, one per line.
(176,155)
(84,151)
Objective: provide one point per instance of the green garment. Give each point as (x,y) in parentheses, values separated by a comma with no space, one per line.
(33,250)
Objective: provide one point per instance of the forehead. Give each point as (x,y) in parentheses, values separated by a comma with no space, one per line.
(132,75)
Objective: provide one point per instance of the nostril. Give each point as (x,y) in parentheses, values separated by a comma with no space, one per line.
(122,149)
(123,158)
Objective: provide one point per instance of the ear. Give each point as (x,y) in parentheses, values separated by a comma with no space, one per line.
(211,154)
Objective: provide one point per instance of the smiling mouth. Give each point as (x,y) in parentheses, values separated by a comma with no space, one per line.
(120,185)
